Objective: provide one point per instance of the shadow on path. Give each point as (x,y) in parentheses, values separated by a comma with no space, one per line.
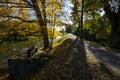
(69,63)
(109,58)
(79,61)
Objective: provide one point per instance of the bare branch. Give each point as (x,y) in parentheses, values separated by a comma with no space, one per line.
(16,17)
(17,6)
(19,23)
(28,3)
(12,3)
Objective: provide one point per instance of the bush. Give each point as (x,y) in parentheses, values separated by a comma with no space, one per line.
(14,38)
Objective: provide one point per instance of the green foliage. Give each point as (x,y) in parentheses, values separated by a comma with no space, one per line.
(69,29)
(14,38)
(97,30)
(75,30)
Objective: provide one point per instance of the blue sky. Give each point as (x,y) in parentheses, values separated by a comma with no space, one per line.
(66,12)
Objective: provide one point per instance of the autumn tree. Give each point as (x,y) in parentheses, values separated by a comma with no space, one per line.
(28,11)
(53,11)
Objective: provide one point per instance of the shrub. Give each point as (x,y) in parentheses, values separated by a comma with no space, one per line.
(14,38)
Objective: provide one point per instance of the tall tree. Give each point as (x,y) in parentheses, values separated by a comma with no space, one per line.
(78,15)
(112,10)
(81,24)
(53,14)
(42,20)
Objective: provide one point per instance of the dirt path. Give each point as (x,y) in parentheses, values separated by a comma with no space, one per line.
(68,63)
(109,59)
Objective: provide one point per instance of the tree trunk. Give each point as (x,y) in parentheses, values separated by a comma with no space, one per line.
(81,27)
(79,18)
(42,21)
(114,19)
(45,37)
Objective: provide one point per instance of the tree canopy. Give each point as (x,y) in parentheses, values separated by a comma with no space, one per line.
(36,16)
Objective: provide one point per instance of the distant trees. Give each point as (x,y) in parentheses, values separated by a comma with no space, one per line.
(97,29)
